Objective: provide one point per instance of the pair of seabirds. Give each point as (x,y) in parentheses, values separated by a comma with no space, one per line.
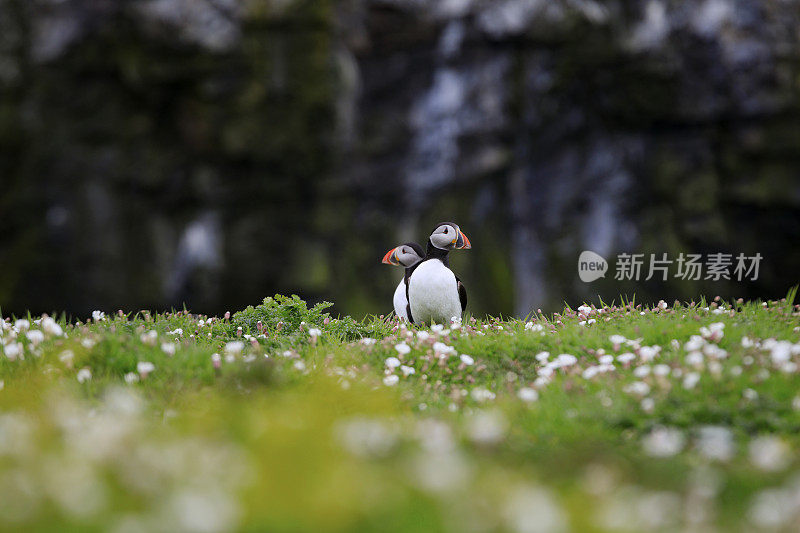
(430,292)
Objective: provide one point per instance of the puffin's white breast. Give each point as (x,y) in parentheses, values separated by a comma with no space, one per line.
(400,300)
(433,293)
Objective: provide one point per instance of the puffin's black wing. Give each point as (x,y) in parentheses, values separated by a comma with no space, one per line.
(462,294)
(408,301)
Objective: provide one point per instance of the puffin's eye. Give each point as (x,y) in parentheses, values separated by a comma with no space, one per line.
(446,231)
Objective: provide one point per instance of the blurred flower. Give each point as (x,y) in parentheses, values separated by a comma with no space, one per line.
(97,316)
(131,378)
(177,331)
(402,348)
(467,360)
(407,370)
(530,326)
(481,395)
(367,341)
(691,379)
(12,351)
(526,394)
(663,442)
(51,327)
(234,347)
(392,362)
(532,509)
(168,348)
(442,348)
(35,336)
(144,368)
(716,443)
(542,357)
(391,380)
(423,335)
(770,454)
(66,357)
(84,374)
(487,427)
(366,437)
(149,337)
(22,324)
(314,332)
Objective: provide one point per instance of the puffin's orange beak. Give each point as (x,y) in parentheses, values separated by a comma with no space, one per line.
(391,257)
(462,243)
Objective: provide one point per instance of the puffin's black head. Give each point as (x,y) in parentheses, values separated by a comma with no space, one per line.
(448,236)
(406,255)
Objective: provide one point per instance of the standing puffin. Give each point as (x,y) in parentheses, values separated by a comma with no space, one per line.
(435,294)
(407,255)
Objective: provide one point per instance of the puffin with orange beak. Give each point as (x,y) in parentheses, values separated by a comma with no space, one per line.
(435,294)
(406,255)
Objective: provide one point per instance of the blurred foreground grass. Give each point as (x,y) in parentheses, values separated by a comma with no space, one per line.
(281,418)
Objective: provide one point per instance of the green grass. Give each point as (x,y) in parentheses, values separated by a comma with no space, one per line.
(302,426)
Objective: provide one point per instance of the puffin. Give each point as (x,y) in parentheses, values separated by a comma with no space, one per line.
(435,294)
(406,255)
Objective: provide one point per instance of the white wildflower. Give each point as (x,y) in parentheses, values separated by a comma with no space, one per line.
(487,427)
(391,380)
(442,348)
(131,378)
(144,368)
(97,316)
(542,357)
(750,394)
(637,388)
(565,359)
(716,443)
(402,348)
(527,394)
(617,339)
(178,332)
(663,442)
(661,370)
(770,454)
(301,366)
(368,341)
(149,337)
(234,347)
(66,357)
(481,395)
(467,360)
(747,342)
(438,328)
(695,343)
(84,375)
(691,379)
(625,358)
(694,358)
(532,509)
(51,327)
(22,324)
(168,348)
(12,351)
(407,370)
(35,336)
(314,332)
(641,371)
(392,362)
(423,335)
(530,326)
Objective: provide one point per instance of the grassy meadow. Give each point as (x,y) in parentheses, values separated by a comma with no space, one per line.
(281,418)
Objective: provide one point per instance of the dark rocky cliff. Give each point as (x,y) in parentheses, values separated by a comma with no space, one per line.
(213,152)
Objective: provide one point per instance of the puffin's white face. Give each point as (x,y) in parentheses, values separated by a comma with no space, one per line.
(449,237)
(403,255)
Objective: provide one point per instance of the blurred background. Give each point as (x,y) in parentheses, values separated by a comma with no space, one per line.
(213,152)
